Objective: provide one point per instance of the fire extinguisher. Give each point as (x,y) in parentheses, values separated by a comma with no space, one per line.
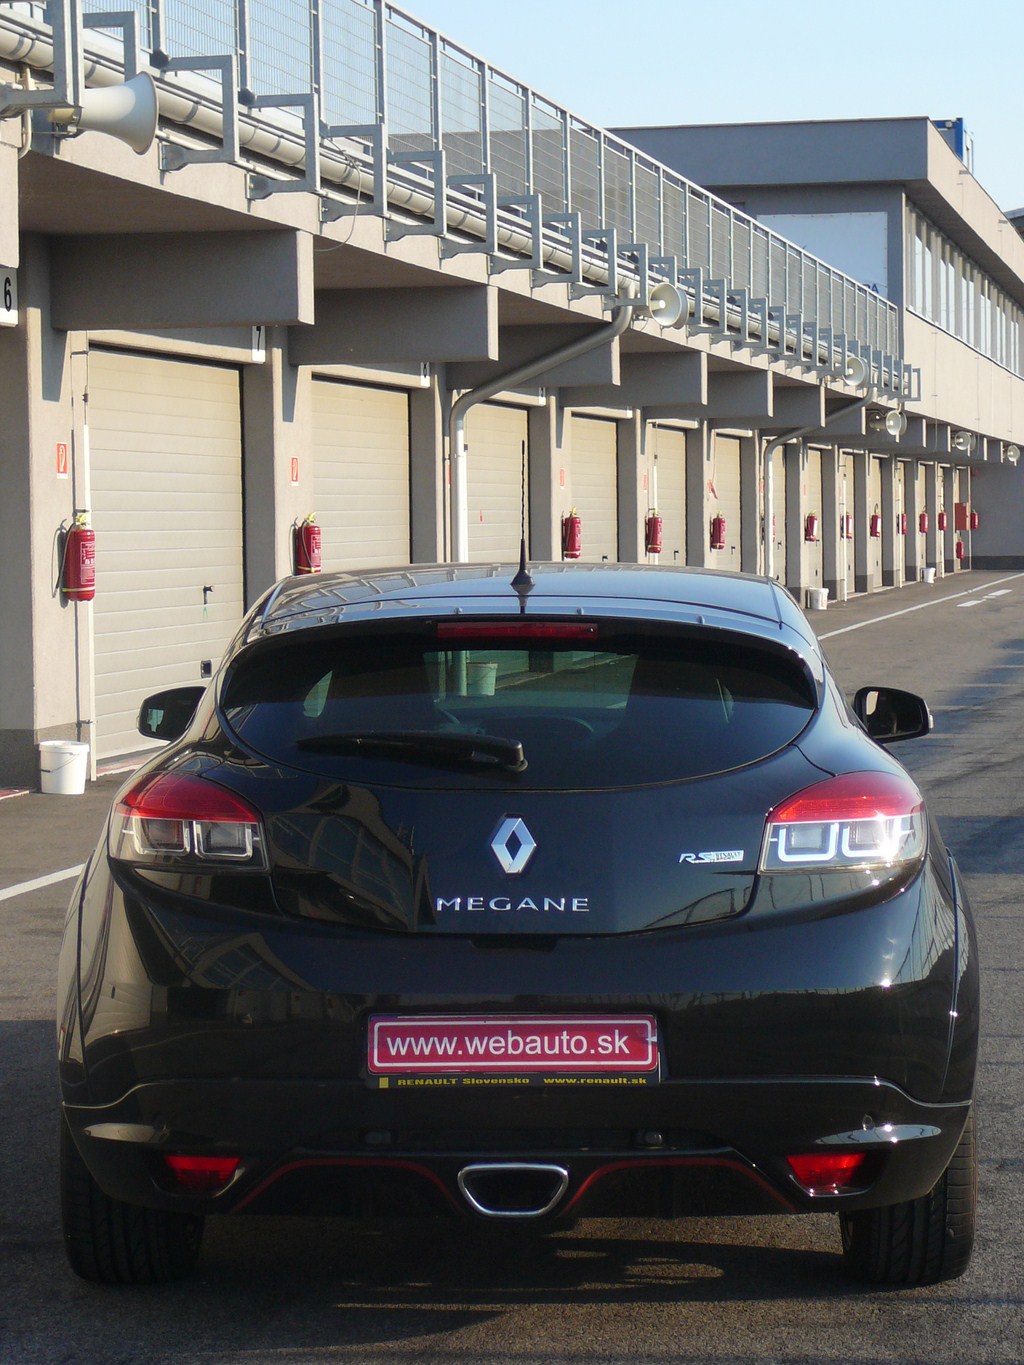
(903,523)
(876,525)
(975,521)
(847,526)
(652,533)
(78,560)
(959,549)
(718,532)
(811,526)
(572,536)
(943,521)
(308,545)
(922,523)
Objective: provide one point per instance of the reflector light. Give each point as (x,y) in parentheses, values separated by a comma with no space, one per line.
(170,817)
(827,1173)
(203,1174)
(871,820)
(519,629)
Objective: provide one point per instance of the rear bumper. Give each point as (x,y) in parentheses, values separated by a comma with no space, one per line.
(662,1150)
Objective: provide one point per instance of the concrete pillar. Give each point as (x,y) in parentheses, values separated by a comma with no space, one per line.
(892,546)
(277,425)
(751,509)
(632,481)
(833,576)
(911,549)
(427,422)
(550,478)
(698,507)
(933,548)
(46,656)
(795,577)
(863,508)
(948,541)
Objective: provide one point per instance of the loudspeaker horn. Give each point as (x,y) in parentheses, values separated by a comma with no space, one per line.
(667,305)
(855,371)
(896,422)
(128,112)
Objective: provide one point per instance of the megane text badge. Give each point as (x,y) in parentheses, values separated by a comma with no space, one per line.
(513,845)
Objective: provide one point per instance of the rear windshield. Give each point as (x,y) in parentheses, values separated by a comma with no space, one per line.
(608,709)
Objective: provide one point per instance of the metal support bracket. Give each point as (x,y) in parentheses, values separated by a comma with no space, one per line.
(68,79)
(263,186)
(173,156)
(740,298)
(609,239)
(534,214)
(434,159)
(127,21)
(376,136)
(488,186)
(706,289)
(569,225)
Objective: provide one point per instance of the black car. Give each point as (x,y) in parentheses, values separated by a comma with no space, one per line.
(521,896)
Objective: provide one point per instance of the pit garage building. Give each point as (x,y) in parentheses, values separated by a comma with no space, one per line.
(270,263)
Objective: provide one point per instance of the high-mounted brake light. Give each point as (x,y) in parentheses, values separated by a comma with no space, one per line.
(171,818)
(871,821)
(519,629)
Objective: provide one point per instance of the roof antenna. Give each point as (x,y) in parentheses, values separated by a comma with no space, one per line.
(523,583)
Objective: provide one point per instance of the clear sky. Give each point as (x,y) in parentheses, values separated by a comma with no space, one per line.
(739,61)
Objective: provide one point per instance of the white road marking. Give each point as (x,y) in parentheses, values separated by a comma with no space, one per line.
(1003,592)
(935,602)
(23,888)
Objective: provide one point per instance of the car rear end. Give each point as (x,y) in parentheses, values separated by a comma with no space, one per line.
(521,907)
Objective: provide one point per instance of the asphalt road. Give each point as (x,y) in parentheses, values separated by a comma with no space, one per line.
(288,1292)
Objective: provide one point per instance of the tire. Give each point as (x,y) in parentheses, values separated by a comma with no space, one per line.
(921,1241)
(110,1242)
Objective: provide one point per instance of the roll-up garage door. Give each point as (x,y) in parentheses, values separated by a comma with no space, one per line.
(361,474)
(724,499)
(849,512)
(495,441)
(595,486)
(778,526)
(166,468)
(875,510)
(668,492)
(812,494)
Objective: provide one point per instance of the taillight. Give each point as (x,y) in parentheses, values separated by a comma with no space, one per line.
(873,821)
(202,1174)
(172,819)
(832,1172)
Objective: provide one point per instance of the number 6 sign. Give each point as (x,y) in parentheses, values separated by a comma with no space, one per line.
(8,298)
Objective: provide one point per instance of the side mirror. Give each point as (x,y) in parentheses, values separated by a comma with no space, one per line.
(888,714)
(167,715)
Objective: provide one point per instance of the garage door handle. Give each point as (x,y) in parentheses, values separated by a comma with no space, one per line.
(206,594)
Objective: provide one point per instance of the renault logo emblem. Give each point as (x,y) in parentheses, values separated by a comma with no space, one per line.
(513,845)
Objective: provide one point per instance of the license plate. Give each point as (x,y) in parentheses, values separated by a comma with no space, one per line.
(589,1048)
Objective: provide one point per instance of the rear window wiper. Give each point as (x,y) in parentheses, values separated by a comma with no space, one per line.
(426,746)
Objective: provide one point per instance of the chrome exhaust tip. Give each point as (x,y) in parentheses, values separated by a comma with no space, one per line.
(512,1189)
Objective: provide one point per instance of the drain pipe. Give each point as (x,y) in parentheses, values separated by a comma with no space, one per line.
(522,374)
(782,440)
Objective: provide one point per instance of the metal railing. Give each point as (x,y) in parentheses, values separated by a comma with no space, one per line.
(489,164)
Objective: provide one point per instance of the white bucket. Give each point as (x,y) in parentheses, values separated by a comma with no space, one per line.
(62,766)
(929,575)
(481,679)
(819,599)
